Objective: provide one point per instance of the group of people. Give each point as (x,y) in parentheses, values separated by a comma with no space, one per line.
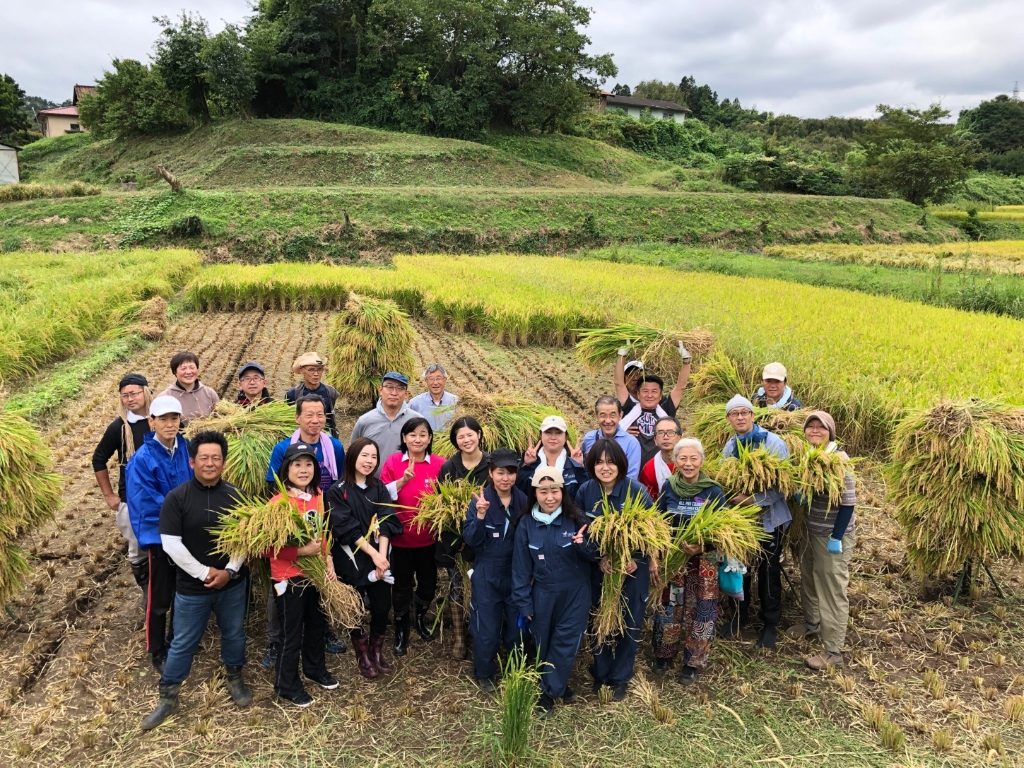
(535,574)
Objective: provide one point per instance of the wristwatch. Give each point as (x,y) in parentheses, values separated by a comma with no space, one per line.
(232,573)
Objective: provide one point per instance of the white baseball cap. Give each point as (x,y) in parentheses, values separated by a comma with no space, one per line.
(163,405)
(776,371)
(553,422)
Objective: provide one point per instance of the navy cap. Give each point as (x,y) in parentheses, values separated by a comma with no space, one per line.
(401,378)
(298,449)
(254,366)
(133,378)
(504,457)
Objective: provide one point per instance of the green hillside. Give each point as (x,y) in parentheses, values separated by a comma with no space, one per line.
(298,189)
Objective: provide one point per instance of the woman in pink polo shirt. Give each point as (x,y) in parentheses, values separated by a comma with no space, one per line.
(409,475)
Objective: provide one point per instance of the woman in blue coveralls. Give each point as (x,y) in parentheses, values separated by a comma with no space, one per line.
(489,529)
(551,582)
(614,661)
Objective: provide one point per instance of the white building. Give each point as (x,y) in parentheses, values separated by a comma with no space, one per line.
(9,165)
(634,107)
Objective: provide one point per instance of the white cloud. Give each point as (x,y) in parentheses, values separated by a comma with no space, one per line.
(805,57)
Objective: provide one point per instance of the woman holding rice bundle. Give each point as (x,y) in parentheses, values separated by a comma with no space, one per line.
(489,529)
(551,582)
(469,463)
(825,558)
(363,523)
(409,474)
(614,661)
(689,602)
(298,602)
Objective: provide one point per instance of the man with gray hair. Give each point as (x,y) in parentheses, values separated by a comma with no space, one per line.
(437,404)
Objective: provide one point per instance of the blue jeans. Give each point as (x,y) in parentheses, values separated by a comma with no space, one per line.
(192,614)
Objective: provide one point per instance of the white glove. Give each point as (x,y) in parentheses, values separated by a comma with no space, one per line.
(623,351)
(389,579)
(684,352)
(372,577)
(734,566)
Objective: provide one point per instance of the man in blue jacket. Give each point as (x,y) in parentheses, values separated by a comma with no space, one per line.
(608,411)
(157,468)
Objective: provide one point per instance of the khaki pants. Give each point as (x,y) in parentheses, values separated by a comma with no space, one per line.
(824,578)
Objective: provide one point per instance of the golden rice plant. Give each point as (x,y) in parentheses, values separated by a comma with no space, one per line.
(508,421)
(753,470)
(367,339)
(994,256)
(252,434)
(343,605)
(819,472)
(956,478)
(712,428)
(13,570)
(443,509)
(619,535)
(254,527)
(717,379)
(735,532)
(656,348)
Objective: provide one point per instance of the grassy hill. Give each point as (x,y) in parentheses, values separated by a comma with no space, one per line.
(298,189)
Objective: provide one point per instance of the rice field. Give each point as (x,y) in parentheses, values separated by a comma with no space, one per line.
(53,304)
(865,358)
(998,213)
(1004,257)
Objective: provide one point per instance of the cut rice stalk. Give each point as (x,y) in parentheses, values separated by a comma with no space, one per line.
(655,348)
(734,532)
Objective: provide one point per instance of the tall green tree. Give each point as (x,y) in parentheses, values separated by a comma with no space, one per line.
(914,154)
(656,89)
(228,72)
(132,99)
(13,120)
(998,126)
(178,57)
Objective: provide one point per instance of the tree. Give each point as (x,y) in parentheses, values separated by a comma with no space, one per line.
(132,100)
(702,101)
(913,154)
(13,120)
(621,90)
(659,91)
(179,60)
(228,73)
(998,126)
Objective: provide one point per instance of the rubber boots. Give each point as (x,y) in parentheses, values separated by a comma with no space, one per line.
(366,666)
(377,654)
(237,689)
(401,634)
(166,707)
(422,625)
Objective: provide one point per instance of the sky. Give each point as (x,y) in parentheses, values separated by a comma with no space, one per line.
(811,58)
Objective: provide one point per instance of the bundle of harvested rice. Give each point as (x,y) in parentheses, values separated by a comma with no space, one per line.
(818,472)
(753,471)
(735,532)
(443,509)
(252,528)
(508,421)
(29,494)
(712,427)
(717,379)
(151,320)
(252,434)
(369,338)
(657,349)
(956,478)
(619,535)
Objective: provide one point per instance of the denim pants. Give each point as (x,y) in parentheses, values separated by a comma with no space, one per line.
(192,614)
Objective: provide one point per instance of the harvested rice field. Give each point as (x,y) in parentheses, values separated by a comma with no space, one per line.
(926,682)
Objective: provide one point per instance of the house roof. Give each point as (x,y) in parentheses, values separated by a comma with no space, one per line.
(60,112)
(82,90)
(633,101)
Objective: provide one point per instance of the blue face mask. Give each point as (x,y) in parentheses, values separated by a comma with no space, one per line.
(544,518)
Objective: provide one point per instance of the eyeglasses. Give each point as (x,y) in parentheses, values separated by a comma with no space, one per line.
(666,432)
(393,387)
(741,413)
(130,395)
(251,379)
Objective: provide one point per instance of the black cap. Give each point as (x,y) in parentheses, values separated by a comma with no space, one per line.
(298,449)
(504,457)
(254,366)
(133,378)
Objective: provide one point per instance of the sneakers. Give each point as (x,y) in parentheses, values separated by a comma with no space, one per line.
(619,691)
(569,696)
(545,706)
(327,681)
(688,675)
(487,685)
(823,660)
(800,631)
(767,639)
(333,643)
(300,699)
(269,660)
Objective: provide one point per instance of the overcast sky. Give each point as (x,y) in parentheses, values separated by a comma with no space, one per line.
(806,57)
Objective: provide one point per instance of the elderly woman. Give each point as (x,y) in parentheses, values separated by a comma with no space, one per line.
(825,559)
(689,602)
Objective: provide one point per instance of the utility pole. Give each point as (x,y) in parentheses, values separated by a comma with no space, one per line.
(1016,90)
